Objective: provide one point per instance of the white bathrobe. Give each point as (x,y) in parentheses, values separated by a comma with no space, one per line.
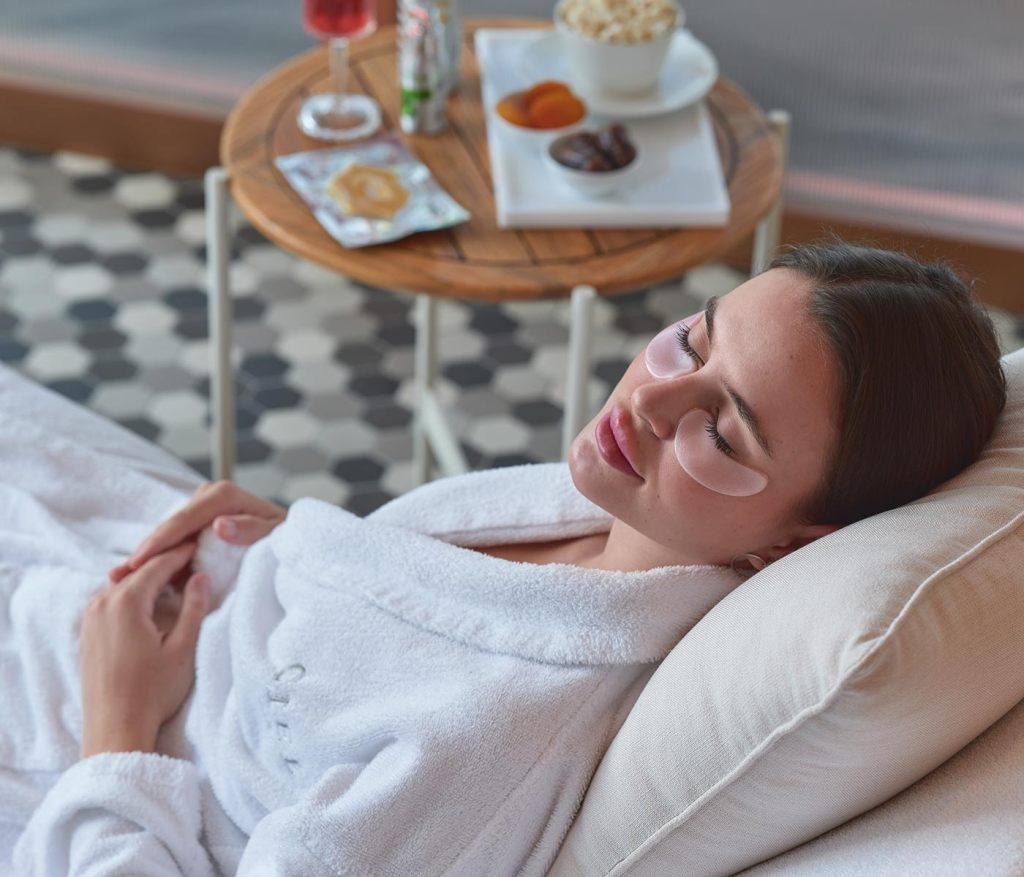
(371,697)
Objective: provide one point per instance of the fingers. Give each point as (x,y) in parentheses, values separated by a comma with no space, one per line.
(236,529)
(179,578)
(193,610)
(210,501)
(119,572)
(146,582)
(244,529)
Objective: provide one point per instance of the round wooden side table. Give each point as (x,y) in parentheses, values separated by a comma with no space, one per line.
(475,260)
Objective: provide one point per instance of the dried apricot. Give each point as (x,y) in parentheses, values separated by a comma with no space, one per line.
(513,109)
(548,86)
(555,110)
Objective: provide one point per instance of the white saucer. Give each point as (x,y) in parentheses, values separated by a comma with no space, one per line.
(689,73)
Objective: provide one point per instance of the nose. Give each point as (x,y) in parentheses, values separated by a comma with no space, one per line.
(660,403)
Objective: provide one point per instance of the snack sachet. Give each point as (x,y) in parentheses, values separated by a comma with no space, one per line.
(395,192)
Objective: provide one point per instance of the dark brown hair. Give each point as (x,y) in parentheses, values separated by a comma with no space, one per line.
(920,384)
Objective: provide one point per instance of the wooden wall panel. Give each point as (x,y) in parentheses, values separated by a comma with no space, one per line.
(998,271)
(130,135)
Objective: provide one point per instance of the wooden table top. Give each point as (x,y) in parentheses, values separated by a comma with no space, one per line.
(477,260)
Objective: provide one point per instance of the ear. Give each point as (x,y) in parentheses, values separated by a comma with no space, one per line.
(804,536)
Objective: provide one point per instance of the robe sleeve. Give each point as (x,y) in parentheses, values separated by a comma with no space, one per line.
(139,813)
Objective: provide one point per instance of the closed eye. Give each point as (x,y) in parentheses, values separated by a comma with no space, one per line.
(710,426)
(683,337)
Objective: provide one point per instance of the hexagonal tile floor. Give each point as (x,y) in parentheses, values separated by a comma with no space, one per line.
(102,299)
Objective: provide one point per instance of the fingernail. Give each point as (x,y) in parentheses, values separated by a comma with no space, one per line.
(229,529)
(201,583)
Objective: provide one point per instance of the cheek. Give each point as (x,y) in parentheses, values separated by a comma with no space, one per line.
(709,467)
(664,357)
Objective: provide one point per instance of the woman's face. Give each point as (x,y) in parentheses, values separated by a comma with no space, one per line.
(710,454)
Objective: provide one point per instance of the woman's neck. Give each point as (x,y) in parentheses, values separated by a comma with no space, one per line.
(620,549)
(629,550)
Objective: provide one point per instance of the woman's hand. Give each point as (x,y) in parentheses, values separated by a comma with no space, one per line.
(135,676)
(236,516)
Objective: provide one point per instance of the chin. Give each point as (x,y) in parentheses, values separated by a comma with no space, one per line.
(589,472)
(582,458)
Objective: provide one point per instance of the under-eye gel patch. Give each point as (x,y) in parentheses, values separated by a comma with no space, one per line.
(707,465)
(665,357)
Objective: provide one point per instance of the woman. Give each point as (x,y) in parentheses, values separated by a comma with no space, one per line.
(497,627)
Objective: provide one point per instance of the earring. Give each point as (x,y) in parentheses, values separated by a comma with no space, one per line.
(756,564)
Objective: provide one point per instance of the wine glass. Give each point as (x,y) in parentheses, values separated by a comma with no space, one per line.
(338,115)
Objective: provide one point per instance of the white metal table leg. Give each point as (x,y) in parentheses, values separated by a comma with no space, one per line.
(577,401)
(432,438)
(425,372)
(218,263)
(769,229)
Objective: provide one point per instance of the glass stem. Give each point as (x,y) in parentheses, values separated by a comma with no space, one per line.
(338,47)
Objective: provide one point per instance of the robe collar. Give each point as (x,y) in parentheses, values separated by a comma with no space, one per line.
(411,559)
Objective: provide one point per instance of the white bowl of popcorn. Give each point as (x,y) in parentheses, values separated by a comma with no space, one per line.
(616,47)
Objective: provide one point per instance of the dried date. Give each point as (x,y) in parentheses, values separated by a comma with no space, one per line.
(607,149)
(614,143)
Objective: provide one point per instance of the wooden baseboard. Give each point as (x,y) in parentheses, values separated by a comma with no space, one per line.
(130,135)
(180,143)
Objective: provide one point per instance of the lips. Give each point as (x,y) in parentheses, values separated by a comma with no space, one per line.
(614,437)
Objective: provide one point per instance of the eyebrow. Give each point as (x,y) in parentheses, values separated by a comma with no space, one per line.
(745,411)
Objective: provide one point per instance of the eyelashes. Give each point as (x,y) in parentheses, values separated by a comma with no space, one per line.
(710,426)
(683,337)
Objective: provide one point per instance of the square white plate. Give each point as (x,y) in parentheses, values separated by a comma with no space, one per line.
(680,183)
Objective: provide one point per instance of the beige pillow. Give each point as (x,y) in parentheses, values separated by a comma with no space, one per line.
(964,818)
(824,685)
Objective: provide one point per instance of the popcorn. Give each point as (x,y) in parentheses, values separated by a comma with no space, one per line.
(620,21)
